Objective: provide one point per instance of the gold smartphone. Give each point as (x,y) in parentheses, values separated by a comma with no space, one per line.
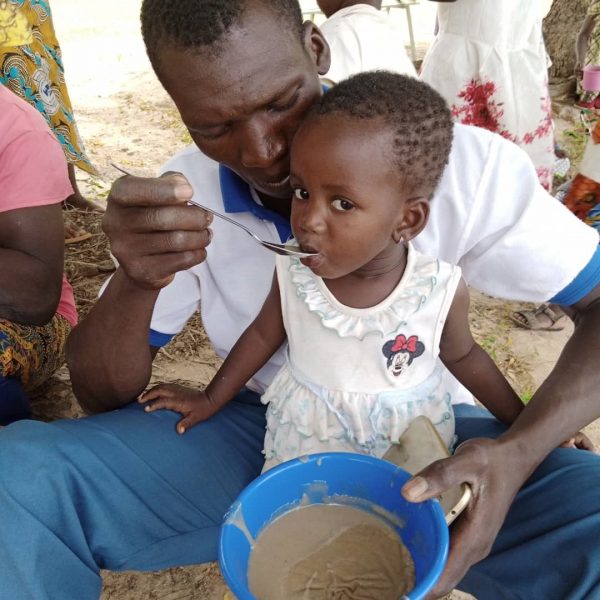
(418,447)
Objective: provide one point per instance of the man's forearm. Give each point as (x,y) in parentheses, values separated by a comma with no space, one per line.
(569,398)
(108,353)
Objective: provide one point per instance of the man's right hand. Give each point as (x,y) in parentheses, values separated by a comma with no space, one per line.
(153,232)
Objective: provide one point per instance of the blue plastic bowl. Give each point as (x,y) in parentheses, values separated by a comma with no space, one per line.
(374,482)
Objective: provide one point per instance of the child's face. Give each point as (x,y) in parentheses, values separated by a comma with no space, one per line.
(348,202)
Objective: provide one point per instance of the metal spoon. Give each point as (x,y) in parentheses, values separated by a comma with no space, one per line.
(283,249)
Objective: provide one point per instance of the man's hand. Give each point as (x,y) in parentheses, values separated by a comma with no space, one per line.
(152,230)
(494,477)
(193,405)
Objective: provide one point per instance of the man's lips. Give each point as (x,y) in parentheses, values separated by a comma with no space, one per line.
(284,182)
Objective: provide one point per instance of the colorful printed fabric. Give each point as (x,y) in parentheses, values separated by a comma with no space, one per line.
(15,29)
(35,72)
(32,353)
(489,62)
(583,196)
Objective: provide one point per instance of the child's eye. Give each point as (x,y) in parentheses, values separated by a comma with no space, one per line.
(301,193)
(342,204)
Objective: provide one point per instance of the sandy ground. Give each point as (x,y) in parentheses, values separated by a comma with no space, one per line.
(124,116)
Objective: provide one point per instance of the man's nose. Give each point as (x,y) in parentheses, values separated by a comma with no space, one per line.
(262,145)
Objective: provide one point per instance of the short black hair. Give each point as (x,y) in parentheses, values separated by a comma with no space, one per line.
(203,24)
(416,114)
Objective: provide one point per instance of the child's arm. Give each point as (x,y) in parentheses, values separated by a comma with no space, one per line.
(254,348)
(472,366)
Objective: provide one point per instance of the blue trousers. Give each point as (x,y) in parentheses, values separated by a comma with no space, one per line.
(123,491)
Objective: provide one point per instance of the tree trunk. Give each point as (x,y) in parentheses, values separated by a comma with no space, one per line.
(560,28)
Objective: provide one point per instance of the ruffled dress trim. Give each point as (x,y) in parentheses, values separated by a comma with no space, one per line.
(411,293)
(303,418)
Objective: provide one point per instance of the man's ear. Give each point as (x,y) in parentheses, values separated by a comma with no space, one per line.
(413,219)
(317,47)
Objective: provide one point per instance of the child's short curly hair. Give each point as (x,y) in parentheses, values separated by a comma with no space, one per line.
(203,24)
(417,115)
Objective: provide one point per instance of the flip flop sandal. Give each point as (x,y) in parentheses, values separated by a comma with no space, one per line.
(530,319)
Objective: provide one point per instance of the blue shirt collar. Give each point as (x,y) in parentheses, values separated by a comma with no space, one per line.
(238,198)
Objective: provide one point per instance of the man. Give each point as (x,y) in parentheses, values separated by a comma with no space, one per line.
(121,490)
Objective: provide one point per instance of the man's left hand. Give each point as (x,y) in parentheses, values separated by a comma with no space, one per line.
(493,473)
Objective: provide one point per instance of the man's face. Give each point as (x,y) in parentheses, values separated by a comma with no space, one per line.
(243,106)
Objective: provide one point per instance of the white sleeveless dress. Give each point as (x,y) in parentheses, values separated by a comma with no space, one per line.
(355,378)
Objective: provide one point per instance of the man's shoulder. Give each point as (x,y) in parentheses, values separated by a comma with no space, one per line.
(481,144)
(472,140)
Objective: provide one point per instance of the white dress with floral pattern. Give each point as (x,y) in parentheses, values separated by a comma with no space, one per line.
(489,62)
(355,378)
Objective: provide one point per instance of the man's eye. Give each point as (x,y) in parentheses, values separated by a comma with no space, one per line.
(211,133)
(301,193)
(342,204)
(285,105)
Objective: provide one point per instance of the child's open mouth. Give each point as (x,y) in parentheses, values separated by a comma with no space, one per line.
(312,262)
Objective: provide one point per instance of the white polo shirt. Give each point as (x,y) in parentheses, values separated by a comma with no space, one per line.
(362,38)
(489,215)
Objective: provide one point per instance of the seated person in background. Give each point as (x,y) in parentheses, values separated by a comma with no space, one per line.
(37,309)
(362,38)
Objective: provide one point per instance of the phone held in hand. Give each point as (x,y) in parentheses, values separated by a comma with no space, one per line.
(419,446)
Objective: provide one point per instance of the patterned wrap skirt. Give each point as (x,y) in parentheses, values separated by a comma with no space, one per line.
(32,353)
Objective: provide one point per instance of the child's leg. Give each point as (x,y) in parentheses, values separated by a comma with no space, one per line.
(548,546)
(118,491)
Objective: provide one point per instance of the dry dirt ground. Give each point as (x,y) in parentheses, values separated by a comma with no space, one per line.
(125,117)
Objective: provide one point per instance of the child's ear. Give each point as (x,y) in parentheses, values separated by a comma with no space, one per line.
(413,219)
(317,47)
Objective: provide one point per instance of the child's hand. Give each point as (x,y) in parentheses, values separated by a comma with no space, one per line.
(581,441)
(194,405)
